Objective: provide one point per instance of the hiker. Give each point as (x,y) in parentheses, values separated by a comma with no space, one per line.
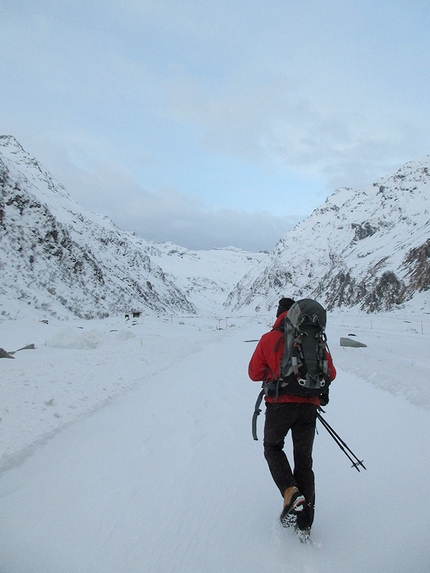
(286,412)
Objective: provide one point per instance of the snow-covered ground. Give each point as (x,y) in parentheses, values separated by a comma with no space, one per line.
(127,448)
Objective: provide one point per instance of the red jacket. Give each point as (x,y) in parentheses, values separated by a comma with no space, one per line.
(265,363)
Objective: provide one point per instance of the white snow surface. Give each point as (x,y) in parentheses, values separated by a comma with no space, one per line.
(126,447)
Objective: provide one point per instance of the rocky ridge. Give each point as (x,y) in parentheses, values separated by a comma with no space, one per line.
(368,249)
(61,260)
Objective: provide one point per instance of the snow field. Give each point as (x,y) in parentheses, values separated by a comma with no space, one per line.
(166,477)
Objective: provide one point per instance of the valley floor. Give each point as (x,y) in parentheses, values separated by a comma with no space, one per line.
(127,448)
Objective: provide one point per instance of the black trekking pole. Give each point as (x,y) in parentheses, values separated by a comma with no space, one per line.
(346,450)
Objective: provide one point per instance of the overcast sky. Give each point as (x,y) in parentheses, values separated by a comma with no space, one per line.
(215,123)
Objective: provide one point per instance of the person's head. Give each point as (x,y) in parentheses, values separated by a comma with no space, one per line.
(284,305)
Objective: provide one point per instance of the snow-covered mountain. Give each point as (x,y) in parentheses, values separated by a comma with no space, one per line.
(367,248)
(206,277)
(62,260)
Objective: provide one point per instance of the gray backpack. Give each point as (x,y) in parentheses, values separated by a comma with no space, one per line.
(304,366)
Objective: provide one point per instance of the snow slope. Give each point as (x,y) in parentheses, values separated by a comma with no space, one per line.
(165,477)
(368,249)
(58,259)
(206,277)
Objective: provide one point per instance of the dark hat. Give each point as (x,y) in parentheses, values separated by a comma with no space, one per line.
(284,305)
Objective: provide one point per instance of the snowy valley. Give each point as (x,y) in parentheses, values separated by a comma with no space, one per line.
(366,249)
(125,444)
(120,457)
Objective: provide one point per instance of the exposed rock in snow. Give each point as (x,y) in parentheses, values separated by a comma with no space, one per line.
(62,260)
(367,248)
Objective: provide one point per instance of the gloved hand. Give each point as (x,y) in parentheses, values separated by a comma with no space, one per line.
(324,397)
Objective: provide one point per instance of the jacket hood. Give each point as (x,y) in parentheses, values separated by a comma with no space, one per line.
(279,321)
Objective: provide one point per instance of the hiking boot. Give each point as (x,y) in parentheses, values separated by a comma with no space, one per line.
(294,502)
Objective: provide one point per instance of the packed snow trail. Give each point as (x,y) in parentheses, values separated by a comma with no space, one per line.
(167,479)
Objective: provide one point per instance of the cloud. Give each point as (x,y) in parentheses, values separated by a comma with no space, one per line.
(197,227)
(186,121)
(165,214)
(279,122)
(329,93)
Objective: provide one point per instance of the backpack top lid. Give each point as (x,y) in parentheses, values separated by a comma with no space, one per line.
(307,310)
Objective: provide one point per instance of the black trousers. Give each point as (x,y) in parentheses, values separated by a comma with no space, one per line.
(301,420)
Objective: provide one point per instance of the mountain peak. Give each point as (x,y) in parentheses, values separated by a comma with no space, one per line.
(366,248)
(60,259)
